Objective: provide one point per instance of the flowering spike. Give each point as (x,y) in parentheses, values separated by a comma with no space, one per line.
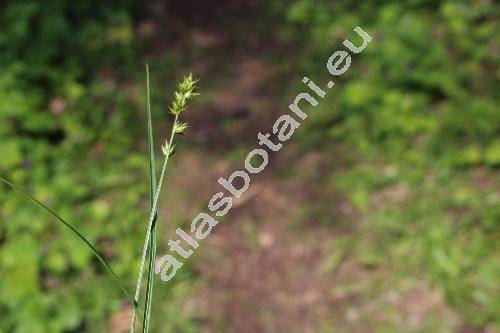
(185,91)
(165,148)
(180,127)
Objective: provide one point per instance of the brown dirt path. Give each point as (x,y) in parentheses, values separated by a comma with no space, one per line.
(271,266)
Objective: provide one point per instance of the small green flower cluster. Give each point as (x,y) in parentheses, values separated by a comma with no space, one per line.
(185,91)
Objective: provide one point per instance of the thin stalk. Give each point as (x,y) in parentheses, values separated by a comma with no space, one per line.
(149,291)
(150,223)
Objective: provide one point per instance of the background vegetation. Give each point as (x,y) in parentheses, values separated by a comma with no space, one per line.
(398,169)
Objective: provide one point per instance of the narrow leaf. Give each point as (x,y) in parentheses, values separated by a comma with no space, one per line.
(79,235)
(152,186)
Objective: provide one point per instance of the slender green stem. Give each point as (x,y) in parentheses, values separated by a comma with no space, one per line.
(149,291)
(150,223)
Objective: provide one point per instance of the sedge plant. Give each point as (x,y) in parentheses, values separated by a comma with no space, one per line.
(186,90)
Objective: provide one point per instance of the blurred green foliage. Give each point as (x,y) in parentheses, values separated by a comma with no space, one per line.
(418,118)
(415,118)
(66,127)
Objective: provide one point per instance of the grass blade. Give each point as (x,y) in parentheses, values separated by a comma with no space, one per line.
(79,235)
(152,185)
